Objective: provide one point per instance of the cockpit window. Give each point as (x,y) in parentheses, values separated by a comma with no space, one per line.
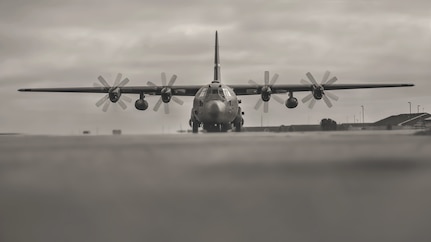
(226,92)
(221,93)
(203,92)
(210,92)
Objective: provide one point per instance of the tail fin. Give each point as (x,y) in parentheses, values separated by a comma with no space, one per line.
(216,60)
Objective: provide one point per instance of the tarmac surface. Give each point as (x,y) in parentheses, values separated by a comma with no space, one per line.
(318,186)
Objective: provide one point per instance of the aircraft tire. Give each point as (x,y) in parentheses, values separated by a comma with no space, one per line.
(195,127)
(225,127)
(238,124)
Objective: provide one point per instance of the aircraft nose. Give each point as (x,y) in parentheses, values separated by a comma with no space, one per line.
(215,108)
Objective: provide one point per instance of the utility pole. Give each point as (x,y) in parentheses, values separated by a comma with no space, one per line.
(410,105)
(418,108)
(363,121)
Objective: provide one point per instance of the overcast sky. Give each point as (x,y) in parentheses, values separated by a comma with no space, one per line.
(53,43)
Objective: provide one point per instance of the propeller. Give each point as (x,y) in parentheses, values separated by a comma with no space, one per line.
(114,94)
(266,92)
(166,93)
(318,90)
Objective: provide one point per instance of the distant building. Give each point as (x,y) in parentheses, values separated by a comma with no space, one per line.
(427,122)
(116,131)
(400,121)
(414,120)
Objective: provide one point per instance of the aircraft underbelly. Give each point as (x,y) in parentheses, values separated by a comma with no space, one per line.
(216,112)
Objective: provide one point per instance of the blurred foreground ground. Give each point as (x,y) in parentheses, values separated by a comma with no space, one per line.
(336,186)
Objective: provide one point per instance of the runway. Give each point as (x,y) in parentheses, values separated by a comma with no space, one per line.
(317,186)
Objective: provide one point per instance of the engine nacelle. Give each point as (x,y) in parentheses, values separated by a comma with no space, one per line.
(266,93)
(141,104)
(318,92)
(166,94)
(292,102)
(114,95)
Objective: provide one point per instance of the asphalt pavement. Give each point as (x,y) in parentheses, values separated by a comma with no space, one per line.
(317,186)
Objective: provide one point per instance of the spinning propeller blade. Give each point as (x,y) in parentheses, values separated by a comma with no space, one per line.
(258,104)
(102,80)
(267,85)
(157,106)
(168,86)
(117,84)
(307,98)
(102,100)
(326,96)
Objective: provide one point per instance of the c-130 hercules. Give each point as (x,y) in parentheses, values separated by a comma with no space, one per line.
(216,105)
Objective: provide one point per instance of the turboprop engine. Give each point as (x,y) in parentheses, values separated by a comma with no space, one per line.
(115,95)
(318,92)
(166,94)
(266,93)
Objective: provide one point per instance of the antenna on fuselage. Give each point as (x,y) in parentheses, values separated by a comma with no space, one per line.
(216,60)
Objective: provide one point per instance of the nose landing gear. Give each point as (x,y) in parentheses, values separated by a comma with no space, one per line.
(210,128)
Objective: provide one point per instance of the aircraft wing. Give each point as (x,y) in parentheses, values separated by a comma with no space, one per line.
(284,88)
(190,90)
(186,90)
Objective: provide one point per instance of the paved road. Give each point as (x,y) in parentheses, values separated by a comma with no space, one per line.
(339,186)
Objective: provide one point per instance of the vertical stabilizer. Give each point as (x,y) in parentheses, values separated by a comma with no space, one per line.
(216,60)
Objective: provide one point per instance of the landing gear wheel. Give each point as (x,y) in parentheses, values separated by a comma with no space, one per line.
(238,125)
(195,127)
(224,127)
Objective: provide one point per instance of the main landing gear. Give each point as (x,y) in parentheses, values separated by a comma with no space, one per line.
(195,127)
(239,121)
(238,125)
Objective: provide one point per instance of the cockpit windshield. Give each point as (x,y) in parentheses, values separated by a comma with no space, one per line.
(214,92)
(226,92)
(221,93)
(203,92)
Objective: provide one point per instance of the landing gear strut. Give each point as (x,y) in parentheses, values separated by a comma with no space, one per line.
(239,121)
(238,125)
(195,127)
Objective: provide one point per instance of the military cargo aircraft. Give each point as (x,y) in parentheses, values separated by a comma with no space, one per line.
(215,105)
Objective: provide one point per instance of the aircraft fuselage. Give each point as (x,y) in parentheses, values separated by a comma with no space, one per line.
(215,107)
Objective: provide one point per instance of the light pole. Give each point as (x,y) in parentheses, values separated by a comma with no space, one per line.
(410,105)
(362,106)
(418,108)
